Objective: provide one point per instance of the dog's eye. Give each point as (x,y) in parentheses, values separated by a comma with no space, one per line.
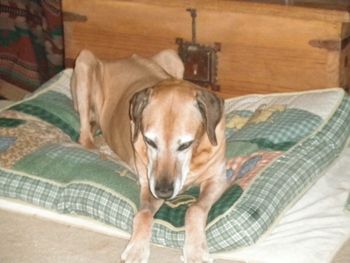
(151,143)
(184,146)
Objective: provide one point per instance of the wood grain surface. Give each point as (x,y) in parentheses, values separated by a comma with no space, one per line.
(266,47)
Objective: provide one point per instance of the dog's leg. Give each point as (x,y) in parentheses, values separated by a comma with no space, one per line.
(196,249)
(86,137)
(81,86)
(138,249)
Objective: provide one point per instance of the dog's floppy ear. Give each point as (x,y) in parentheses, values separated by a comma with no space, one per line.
(211,108)
(137,104)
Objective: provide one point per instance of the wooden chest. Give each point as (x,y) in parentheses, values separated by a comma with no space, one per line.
(266,46)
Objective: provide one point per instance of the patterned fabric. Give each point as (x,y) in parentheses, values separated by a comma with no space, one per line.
(289,125)
(31,46)
(74,198)
(54,108)
(246,168)
(274,154)
(6,142)
(8,122)
(281,182)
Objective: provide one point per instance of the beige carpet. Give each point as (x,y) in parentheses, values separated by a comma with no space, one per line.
(343,255)
(36,240)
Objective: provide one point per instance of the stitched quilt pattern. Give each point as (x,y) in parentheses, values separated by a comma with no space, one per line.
(277,147)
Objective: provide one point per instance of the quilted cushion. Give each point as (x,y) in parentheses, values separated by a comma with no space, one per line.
(277,147)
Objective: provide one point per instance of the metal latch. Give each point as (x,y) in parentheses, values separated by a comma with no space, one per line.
(200,60)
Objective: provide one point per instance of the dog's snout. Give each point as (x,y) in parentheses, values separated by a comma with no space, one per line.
(164,189)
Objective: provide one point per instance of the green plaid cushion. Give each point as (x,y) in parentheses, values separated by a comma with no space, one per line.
(55,108)
(290,125)
(286,152)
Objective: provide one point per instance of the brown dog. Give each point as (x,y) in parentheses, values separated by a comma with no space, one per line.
(171,132)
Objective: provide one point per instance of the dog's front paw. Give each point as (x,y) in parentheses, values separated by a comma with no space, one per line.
(196,253)
(87,141)
(136,252)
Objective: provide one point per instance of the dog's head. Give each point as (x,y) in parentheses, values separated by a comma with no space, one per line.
(169,122)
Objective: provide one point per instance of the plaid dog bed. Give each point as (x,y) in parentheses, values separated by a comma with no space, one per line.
(277,147)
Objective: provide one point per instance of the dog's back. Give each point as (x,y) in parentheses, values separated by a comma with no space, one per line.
(107,87)
(122,80)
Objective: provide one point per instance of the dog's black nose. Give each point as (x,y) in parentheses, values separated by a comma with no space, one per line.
(164,190)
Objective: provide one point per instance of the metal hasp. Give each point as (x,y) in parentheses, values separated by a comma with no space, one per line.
(200,60)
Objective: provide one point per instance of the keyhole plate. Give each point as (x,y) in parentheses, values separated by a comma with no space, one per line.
(200,63)
(200,60)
